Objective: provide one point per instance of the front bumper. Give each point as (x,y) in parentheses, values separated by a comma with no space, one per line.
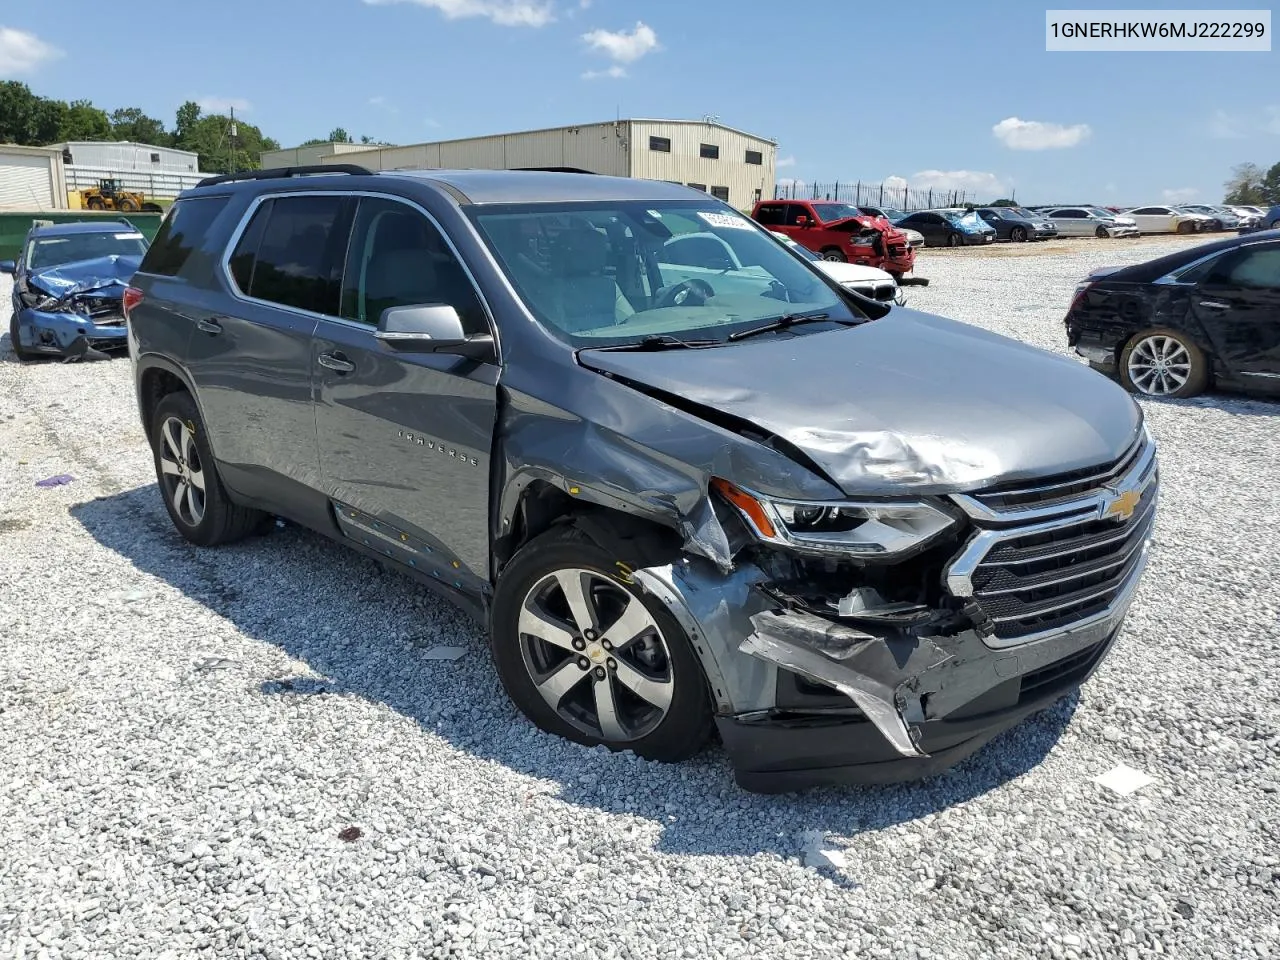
(61,334)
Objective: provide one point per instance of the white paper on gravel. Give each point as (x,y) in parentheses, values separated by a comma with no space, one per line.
(1124,780)
(444,653)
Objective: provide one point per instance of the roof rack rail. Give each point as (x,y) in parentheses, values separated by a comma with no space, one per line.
(554,170)
(280,173)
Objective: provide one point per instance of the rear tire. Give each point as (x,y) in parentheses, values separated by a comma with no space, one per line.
(834,255)
(1163,363)
(96,204)
(188,477)
(567,676)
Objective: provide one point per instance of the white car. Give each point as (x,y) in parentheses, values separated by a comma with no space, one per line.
(1090,222)
(869,281)
(1167,220)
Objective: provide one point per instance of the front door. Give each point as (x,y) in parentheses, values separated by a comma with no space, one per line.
(1238,304)
(406,437)
(250,354)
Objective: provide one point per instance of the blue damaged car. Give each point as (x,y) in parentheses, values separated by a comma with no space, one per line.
(68,289)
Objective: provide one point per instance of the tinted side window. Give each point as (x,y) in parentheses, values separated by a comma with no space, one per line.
(771,214)
(398,259)
(1144,211)
(1258,269)
(178,236)
(795,211)
(294,257)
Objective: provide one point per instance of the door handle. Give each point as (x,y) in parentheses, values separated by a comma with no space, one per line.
(336,361)
(1215,304)
(211,327)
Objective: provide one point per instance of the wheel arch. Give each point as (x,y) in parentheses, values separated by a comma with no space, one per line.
(157,377)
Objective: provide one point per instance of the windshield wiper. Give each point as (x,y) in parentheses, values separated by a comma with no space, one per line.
(787,320)
(659,341)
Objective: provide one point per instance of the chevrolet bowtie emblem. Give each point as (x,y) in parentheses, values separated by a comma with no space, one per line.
(1122,507)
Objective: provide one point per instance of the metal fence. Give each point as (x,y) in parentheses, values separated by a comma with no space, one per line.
(162,184)
(899,196)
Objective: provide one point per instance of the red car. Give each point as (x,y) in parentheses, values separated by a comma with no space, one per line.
(838,231)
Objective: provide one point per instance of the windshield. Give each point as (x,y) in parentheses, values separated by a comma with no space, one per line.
(615,272)
(48,252)
(835,211)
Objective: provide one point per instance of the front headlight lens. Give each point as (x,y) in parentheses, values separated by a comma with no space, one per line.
(861,528)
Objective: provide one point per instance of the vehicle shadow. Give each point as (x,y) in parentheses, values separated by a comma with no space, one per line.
(372,655)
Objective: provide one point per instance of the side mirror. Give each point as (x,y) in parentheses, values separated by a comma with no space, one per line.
(430,328)
(9,267)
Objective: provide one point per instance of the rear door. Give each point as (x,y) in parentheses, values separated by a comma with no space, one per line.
(1072,221)
(250,353)
(405,437)
(1238,304)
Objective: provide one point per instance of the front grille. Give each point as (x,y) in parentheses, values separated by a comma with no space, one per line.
(1061,674)
(1046,580)
(1055,553)
(1061,488)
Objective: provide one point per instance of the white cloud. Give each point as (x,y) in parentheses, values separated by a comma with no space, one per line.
(22,52)
(1180,195)
(971,181)
(613,73)
(784,162)
(895,183)
(621,46)
(1224,125)
(1034,135)
(224,104)
(505,13)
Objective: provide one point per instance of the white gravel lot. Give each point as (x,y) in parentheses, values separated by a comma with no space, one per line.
(184,734)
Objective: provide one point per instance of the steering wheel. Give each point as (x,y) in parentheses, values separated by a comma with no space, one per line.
(690,293)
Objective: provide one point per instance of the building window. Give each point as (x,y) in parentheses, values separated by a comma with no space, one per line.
(661,144)
(709,151)
(755,157)
(756,195)
(720,193)
(699,186)
(155,158)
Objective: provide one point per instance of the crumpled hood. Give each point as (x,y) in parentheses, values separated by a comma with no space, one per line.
(110,275)
(908,402)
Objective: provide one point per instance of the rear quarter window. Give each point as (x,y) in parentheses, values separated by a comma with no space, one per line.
(180,234)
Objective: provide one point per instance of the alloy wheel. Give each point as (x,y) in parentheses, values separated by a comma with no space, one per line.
(182,471)
(596,655)
(1159,365)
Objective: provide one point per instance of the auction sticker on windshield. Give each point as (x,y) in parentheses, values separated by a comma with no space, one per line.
(725,220)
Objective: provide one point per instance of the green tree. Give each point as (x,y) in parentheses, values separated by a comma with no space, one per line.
(130,123)
(1270,186)
(84,121)
(187,117)
(220,151)
(26,118)
(1004,202)
(339,135)
(1244,185)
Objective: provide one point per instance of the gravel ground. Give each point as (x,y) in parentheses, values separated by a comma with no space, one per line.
(254,751)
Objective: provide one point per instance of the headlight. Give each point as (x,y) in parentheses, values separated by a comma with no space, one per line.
(862,528)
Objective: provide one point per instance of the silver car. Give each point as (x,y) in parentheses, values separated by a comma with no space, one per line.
(1091,222)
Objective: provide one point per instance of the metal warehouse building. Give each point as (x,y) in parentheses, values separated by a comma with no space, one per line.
(156,171)
(735,166)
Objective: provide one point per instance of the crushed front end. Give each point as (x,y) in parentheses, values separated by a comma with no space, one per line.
(75,310)
(877,665)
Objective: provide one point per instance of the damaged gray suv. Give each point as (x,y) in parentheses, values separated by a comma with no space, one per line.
(687,493)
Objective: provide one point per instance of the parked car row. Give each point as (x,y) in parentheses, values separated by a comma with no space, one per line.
(1167,218)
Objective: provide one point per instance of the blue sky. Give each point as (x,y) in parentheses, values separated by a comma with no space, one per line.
(939,93)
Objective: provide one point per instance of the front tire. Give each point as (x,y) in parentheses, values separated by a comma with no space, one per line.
(955,240)
(188,477)
(1101,233)
(13,339)
(1018,235)
(1186,227)
(1163,363)
(834,255)
(587,655)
